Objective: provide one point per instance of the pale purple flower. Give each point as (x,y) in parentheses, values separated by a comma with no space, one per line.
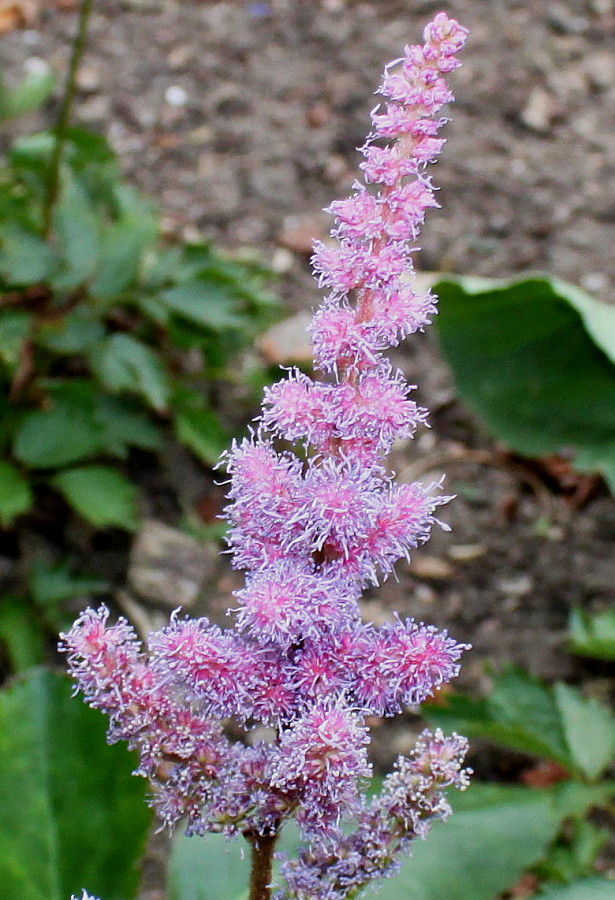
(314,516)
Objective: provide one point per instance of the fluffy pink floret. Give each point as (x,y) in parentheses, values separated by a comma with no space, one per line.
(402,664)
(285,604)
(202,662)
(320,758)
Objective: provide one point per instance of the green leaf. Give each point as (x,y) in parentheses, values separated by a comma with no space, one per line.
(21,636)
(199,429)
(574,853)
(123,363)
(534,360)
(493,836)
(521,714)
(208,868)
(125,426)
(77,232)
(160,267)
(73,332)
(589,729)
(121,252)
(14,330)
(58,436)
(15,494)
(101,495)
(71,813)
(25,258)
(27,96)
(583,889)
(592,636)
(204,303)
(53,583)
(574,799)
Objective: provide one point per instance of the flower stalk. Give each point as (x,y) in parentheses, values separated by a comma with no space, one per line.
(312,530)
(63,121)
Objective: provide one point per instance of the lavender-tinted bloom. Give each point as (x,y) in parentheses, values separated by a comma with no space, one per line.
(311,530)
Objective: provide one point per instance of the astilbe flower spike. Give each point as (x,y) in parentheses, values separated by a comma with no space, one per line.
(312,530)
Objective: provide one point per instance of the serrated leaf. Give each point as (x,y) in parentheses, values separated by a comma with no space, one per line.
(592,636)
(25,258)
(123,363)
(125,426)
(77,233)
(122,247)
(58,436)
(73,332)
(15,494)
(101,495)
(204,303)
(71,812)
(521,713)
(200,429)
(589,729)
(534,359)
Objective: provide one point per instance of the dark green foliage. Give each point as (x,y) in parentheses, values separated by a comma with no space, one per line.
(72,815)
(96,317)
(535,359)
(552,722)
(559,724)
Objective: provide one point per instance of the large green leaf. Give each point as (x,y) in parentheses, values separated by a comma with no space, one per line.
(71,814)
(494,835)
(101,495)
(534,359)
(208,868)
(15,493)
(592,635)
(583,889)
(123,363)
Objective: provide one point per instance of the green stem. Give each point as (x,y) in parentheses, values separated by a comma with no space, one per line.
(262,864)
(53,181)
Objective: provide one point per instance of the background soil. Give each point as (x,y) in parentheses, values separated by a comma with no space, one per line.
(242,118)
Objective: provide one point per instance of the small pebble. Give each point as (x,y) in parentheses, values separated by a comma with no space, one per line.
(176,95)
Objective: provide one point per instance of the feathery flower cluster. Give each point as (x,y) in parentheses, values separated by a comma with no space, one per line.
(312,530)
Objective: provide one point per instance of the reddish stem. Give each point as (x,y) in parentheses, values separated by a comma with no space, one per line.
(262,864)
